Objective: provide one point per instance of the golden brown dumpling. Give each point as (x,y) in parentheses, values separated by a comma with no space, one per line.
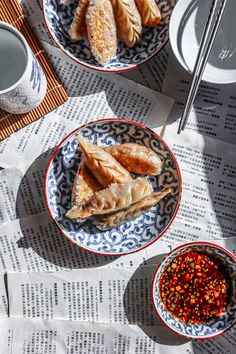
(78,28)
(85,185)
(108,221)
(113,198)
(102,165)
(101,30)
(136,158)
(149,12)
(128,21)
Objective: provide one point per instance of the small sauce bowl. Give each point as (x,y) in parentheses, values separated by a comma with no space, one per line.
(216,326)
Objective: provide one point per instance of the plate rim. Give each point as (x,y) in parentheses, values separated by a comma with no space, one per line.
(113,120)
(183,245)
(98,68)
(176,17)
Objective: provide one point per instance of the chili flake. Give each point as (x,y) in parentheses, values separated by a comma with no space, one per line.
(193,288)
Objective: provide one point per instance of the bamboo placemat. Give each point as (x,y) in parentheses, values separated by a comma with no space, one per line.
(12,13)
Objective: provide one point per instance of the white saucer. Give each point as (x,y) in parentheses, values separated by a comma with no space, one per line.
(186,27)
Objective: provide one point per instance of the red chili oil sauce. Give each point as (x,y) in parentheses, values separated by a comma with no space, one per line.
(193,289)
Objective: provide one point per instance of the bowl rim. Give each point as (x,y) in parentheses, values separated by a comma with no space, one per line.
(114,120)
(189,245)
(98,68)
(173,34)
(180,7)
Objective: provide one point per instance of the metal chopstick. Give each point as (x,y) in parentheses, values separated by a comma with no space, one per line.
(205,57)
(206,44)
(205,40)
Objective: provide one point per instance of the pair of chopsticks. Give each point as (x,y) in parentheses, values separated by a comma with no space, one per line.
(206,44)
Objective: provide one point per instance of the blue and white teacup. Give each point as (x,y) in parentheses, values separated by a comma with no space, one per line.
(22,81)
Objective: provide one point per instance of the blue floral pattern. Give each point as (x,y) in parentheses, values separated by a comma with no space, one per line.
(59,17)
(215,326)
(128,237)
(36,75)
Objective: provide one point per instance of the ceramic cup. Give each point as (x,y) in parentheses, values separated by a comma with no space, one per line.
(22,81)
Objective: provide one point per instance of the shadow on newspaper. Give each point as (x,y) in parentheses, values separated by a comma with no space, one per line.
(213,119)
(138,306)
(40,232)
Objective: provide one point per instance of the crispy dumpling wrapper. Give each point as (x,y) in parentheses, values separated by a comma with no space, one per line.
(128,21)
(108,221)
(78,29)
(149,12)
(113,198)
(102,165)
(101,29)
(136,158)
(85,184)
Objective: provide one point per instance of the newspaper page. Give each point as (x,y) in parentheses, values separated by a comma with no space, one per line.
(85,295)
(23,336)
(34,244)
(120,298)
(114,295)
(209,188)
(3,296)
(213,113)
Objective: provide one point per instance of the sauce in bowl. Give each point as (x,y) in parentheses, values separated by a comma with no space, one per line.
(193,288)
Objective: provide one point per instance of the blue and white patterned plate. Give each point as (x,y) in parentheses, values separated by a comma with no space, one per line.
(131,236)
(58,18)
(216,326)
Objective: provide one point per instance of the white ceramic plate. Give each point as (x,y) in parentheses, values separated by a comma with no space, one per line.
(186,27)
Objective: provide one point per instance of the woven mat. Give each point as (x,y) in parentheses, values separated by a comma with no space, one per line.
(11,12)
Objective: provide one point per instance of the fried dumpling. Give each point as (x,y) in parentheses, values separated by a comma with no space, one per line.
(85,185)
(78,29)
(101,28)
(108,221)
(102,165)
(128,21)
(149,12)
(136,158)
(113,198)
